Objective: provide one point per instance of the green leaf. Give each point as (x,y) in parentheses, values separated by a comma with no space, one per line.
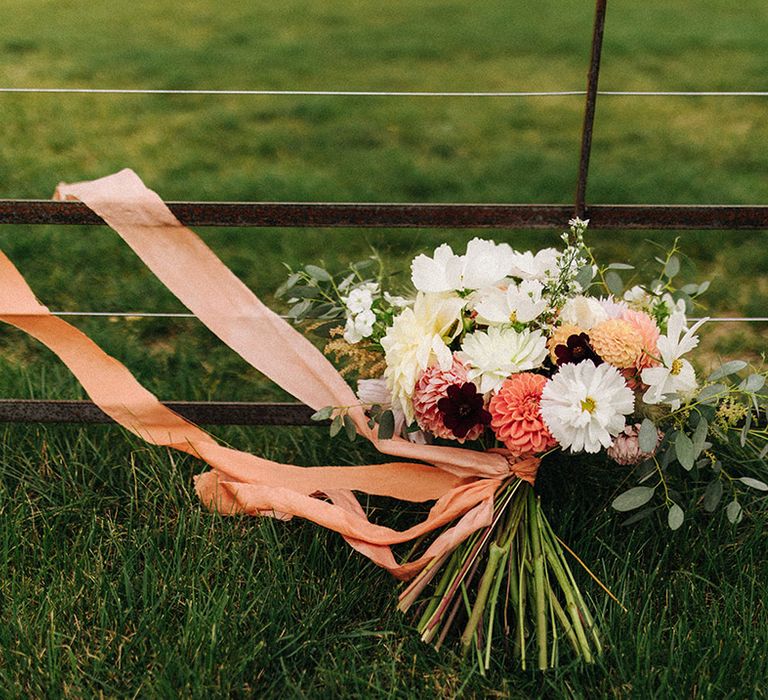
(728,368)
(734,512)
(708,393)
(300,309)
(350,427)
(675,517)
(386,425)
(585,276)
(700,437)
(648,436)
(753,383)
(317,273)
(637,517)
(672,267)
(703,287)
(754,483)
(614,282)
(620,266)
(684,450)
(634,498)
(712,495)
(323,414)
(336,425)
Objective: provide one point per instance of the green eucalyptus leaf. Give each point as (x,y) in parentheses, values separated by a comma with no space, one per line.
(386,425)
(708,393)
(637,517)
(350,427)
(734,512)
(700,437)
(672,266)
(648,436)
(703,287)
(585,276)
(753,383)
(336,425)
(684,450)
(317,273)
(675,516)
(634,498)
(712,495)
(620,266)
(614,282)
(300,309)
(323,414)
(754,483)
(727,368)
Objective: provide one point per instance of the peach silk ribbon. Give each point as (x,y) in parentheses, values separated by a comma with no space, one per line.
(461,482)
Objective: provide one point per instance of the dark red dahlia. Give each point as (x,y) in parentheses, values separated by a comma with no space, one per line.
(462,409)
(577,349)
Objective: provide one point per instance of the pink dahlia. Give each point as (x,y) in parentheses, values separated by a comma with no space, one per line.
(516,415)
(432,386)
(625,449)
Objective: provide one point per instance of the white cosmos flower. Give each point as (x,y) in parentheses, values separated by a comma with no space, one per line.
(675,377)
(483,265)
(492,355)
(522,303)
(584,312)
(417,339)
(542,266)
(584,406)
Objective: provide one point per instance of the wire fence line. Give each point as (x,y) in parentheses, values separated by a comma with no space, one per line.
(160,314)
(386,93)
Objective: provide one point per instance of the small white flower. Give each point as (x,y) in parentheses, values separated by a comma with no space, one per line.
(484,265)
(584,406)
(493,355)
(675,378)
(361,297)
(543,266)
(359,326)
(584,312)
(519,303)
(638,298)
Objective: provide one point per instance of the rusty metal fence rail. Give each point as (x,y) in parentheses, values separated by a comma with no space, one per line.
(361,215)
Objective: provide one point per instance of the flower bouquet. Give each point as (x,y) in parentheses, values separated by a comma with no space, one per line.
(533,355)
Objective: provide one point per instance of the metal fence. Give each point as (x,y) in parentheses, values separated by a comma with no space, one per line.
(361,215)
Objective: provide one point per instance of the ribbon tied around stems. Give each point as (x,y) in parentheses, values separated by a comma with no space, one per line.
(461,482)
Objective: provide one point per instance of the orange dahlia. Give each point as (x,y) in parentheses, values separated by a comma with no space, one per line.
(618,342)
(516,415)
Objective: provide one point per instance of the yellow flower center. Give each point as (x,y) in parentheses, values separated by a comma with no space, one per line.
(676,368)
(513,317)
(588,405)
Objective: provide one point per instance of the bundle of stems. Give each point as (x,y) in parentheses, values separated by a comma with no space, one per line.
(510,580)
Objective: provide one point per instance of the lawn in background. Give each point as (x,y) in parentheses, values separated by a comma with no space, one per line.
(113,580)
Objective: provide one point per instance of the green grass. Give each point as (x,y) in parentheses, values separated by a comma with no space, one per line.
(113,581)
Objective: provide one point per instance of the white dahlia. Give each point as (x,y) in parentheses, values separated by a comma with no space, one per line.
(583,312)
(419,337)
(493,355)
(584,406)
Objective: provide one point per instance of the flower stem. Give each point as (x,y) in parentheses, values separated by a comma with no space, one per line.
(538,577)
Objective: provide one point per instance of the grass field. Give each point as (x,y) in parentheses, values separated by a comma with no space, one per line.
(113,581)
